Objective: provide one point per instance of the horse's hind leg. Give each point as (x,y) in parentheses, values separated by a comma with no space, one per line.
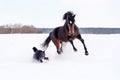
(82,40)
(73,45)
(61,48)
(57,44)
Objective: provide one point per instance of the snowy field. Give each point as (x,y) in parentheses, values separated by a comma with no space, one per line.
(103,62)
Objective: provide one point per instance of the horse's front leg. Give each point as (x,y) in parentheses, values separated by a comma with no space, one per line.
(71,41)
(82,40)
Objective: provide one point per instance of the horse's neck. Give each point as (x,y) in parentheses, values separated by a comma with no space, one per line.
(65,24)
(65,28)
(75,27)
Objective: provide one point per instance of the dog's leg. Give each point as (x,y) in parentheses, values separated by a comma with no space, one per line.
(46,58)
(41,60)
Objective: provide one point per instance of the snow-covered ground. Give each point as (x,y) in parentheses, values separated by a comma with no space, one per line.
(103,62)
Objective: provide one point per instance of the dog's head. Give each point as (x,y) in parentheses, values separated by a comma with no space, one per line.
(38,53)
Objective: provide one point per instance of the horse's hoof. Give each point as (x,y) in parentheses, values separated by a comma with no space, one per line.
(86,53)
(75,49)
(59,52)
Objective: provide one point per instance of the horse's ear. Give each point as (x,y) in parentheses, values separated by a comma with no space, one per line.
(74,16)
(44,51)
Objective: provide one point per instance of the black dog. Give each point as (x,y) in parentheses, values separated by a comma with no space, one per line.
(39,55)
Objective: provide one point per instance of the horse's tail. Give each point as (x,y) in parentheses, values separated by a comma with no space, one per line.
(47,41)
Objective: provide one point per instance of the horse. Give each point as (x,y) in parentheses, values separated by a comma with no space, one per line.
(66,33)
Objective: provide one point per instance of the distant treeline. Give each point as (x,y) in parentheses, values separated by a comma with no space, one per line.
(8,29)
(18,28)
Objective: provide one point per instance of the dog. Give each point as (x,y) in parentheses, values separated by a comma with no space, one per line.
(39,55)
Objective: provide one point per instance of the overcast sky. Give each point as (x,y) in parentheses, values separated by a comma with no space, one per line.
(49,13)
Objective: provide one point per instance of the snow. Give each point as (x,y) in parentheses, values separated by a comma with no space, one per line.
(16,62)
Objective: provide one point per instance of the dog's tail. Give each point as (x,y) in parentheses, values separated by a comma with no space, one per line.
(35,49)
(47,41)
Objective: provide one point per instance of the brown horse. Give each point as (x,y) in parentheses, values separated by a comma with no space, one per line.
(66,33)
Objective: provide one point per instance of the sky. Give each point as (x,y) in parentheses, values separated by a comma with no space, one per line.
(49,13)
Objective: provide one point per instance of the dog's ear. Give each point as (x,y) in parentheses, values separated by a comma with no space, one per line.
(35,49)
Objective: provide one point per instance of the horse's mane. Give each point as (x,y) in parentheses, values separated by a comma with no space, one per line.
(69,13)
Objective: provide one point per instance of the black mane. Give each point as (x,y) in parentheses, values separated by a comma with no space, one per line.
(69,13)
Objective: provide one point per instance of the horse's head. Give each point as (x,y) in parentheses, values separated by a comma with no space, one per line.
(70,23)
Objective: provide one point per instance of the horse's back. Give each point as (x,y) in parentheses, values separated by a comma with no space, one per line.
(55,32)
(58,33)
